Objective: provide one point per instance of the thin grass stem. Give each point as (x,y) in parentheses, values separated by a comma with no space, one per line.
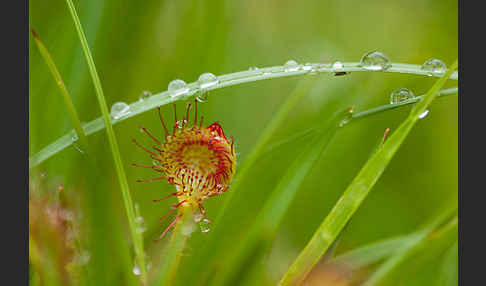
(129,208)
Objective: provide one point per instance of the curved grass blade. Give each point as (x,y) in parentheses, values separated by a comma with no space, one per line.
(73,115)
(357,191)
(136,236)
(266,224)
(413,246)
(226,80)
(371,253)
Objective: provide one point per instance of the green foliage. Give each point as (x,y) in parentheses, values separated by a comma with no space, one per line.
(285,184)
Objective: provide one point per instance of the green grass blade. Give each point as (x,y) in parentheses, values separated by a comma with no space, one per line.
(266,224)
(65,94)
(371,253)
(357,191)
(412,246)
(301,135)
(450,267)
(226,80)
(378,109)
(136,236)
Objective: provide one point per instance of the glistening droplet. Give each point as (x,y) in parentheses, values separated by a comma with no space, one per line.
(177,87)
(119,109)
(434,66)
(423,114)
(207,80)
(375,61)
(400,95)
(291,66)
(145,94)
(203,97)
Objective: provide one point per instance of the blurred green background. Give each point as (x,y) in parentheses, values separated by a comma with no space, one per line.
(143,45)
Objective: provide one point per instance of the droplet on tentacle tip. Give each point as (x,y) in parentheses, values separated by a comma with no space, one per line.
(204,225)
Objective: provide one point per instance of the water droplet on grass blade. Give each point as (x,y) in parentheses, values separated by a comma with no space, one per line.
(337,65)
(253,68)
(145,94)
(140,224)
(375,61)
(400,95)
(207,80)
(423,114)
(119,109)
(136,270)
(434,66)
(291,66)
(347,116)
(177,87)
(74,137)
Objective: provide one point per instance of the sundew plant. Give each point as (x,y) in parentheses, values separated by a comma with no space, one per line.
(243,143)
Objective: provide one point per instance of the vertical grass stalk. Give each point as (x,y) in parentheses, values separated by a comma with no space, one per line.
(127,200)
(357,191)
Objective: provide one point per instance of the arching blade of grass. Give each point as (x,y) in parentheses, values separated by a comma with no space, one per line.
(73,115)
(357,191)
(226,80)
(266,224)
(136,236)
(413,246)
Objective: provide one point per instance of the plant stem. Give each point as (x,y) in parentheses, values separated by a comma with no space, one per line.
(182,231)
(226,80)
(136,236)
(357,191)
(65,95)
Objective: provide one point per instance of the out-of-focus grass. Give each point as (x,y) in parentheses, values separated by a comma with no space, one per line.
(141,46)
